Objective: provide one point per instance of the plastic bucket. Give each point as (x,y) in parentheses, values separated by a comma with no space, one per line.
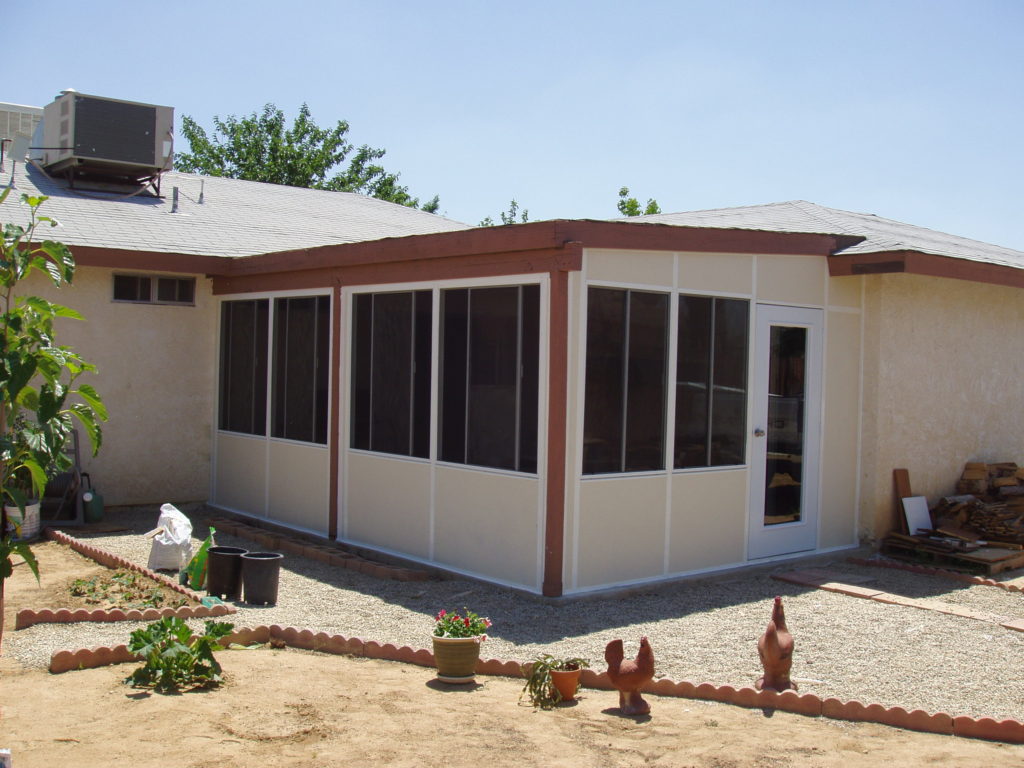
(224,572)
(260,574)
(27,523)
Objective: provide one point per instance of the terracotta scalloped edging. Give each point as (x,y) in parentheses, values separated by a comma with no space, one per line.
(27,617)
(930,571)
(324,553)
(808,704)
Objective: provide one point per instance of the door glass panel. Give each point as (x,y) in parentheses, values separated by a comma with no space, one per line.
(785,430)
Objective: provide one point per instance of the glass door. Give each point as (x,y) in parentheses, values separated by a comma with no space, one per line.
(786,431)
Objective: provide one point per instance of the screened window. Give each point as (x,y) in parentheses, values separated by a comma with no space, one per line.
(301,355)
(489,376)
(243,366)
(711,382)
(391,373)
(144,289)
(624,412)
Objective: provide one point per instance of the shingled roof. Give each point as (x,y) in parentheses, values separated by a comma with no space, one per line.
(880,235)
(236,218)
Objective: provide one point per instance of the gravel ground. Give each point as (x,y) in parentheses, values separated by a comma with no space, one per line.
(700,630)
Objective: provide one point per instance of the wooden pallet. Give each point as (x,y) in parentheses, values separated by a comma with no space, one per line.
(986,561)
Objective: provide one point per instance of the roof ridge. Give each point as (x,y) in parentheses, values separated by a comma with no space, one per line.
(818,212)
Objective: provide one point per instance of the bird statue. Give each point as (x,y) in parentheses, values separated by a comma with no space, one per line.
(776,651)
(629,677)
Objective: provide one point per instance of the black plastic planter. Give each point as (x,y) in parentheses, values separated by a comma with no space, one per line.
(224,572)
(260,574)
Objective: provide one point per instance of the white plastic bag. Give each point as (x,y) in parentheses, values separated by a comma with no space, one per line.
(172,546)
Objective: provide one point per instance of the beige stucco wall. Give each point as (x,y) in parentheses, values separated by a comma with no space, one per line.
(944,376)
(157,377)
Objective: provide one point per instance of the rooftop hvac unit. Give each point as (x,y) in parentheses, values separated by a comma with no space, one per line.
(91,135)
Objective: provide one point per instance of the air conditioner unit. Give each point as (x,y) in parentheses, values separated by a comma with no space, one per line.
(106,137)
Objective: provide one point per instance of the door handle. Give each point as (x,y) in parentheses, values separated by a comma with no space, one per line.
(759,432)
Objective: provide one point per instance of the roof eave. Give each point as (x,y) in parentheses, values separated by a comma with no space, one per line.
(930,264)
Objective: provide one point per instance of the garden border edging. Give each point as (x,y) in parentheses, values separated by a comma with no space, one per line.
(1010,731)
(27,617)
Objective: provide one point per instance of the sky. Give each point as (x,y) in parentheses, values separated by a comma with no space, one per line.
(909,109)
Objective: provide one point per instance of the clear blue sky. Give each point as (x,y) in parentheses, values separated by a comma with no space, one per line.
(911,109)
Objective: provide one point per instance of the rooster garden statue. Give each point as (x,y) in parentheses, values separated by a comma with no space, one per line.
(776,651)
(629,677)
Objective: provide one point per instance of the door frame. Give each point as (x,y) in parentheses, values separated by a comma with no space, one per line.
(800,536)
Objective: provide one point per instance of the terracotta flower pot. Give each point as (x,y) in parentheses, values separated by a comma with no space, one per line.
(455,658)
(566,681)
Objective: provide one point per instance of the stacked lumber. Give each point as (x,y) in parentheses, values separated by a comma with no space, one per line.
(980,530)
(993,504)
(1002,480)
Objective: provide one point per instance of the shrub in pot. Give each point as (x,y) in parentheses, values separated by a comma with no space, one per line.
(552,679)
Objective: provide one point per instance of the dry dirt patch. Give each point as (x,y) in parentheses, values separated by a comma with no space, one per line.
(60,567)
(293,708)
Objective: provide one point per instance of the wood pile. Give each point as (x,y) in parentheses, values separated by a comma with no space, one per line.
(991,505)
(980,530)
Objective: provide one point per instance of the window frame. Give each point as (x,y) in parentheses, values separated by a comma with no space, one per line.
(346,370)
(269,392)
(153,281)
(630,369)
(671,363)
(712,387)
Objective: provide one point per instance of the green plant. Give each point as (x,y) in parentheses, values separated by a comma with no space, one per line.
(453,625)
(39,393)
(539,688)
(123,589)
(174,658)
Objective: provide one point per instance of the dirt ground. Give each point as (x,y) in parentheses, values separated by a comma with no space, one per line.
(295,708)
(59,567)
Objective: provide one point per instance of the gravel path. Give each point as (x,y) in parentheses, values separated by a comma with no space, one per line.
(701,630)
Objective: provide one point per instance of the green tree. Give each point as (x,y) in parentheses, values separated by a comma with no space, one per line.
(39,395)
(630,206)
(259,147)
(513,216)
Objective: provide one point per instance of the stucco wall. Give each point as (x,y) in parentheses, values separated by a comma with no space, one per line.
(944,377)
(157,378)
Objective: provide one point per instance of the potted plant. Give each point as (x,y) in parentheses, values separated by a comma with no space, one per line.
(21,499)
(39,389)
(552,679)
(457,641)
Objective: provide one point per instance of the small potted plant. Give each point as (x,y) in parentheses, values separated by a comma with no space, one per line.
(552,679)
(457,639)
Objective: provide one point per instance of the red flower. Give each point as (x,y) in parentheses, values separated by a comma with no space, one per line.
(467,621)
(441,614)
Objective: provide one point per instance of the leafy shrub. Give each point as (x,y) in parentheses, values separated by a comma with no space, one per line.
(174,658)
(539,688)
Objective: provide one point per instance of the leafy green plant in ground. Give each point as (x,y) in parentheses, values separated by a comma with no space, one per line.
(174,658)
(539,688)
(123,589)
